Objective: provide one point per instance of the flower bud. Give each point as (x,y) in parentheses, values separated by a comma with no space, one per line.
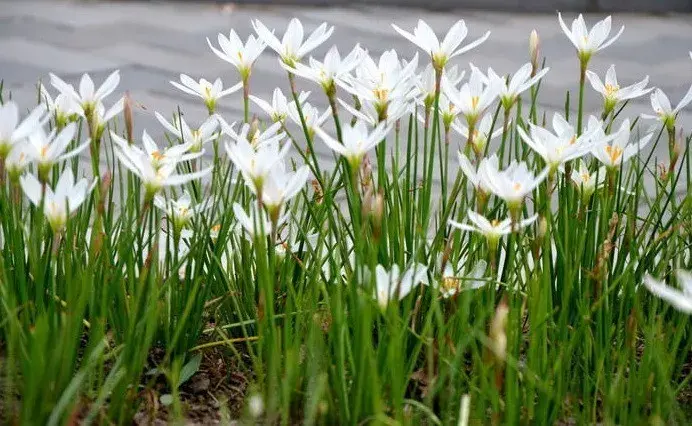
(127,112)
(534,51)
(498,332)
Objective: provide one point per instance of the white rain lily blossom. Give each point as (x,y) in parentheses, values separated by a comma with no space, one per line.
(481,133)
(392,285)
(471,172)
(311,115)
(255,163)
(563,145)
(88,96)
(454,281)
(586,181)
(17,160)
(282,185)
(491,230)
(474,96)
(49,149)
(426,82)
(208,91)
(63,108)
(520,81)
(612,92)
(256,224)
(196,139)
(153,168)
(589,42)
(100,116)
(372,114)
(512,184)
(681,299)
(158,157)
(665,113)
(181,211)
(278,109)
(358,139)
(255,137)
(327,72)
(381,82)
(57,204)
(12,130)
(292,48)
(615,153)
(241,55)
(441,51)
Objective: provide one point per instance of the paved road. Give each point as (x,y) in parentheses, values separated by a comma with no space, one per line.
(152,42)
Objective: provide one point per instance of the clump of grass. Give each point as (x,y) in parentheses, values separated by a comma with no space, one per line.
(337,287)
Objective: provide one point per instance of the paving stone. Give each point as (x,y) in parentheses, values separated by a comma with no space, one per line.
(44,55)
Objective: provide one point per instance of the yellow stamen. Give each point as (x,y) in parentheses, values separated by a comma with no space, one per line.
(614,152)
(474,102)
(156,155)
(450,283)
(611,89)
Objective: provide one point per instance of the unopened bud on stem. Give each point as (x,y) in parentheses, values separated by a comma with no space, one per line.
(534,51)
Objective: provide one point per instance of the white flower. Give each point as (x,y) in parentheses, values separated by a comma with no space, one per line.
(313,118)
(332,69)
(383,81)
(100,117)
(471,173)
(518,83)
(12,131)
(512,184)
(371,113)
(208,91)
(475,96)
(58,204)
(357,140)
(454,282)
(17,160)
(563,145)
(680,300)
(196,139)
(179,211)
(281,185)
(440,52)
(47,150)
(291,48)
(619,150)
(255,163)
(612,92)
(155,169)
(158,157)
(481,132)
(88,96)
(293,239)
(426,82)
(589,42)
(256,224)
(586,181)
(278,109)
(665,113)
(61,108)
(389,285)
(492,230)
(242,56)
(257,138)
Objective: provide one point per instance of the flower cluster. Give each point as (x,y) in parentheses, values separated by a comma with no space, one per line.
(380,93)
